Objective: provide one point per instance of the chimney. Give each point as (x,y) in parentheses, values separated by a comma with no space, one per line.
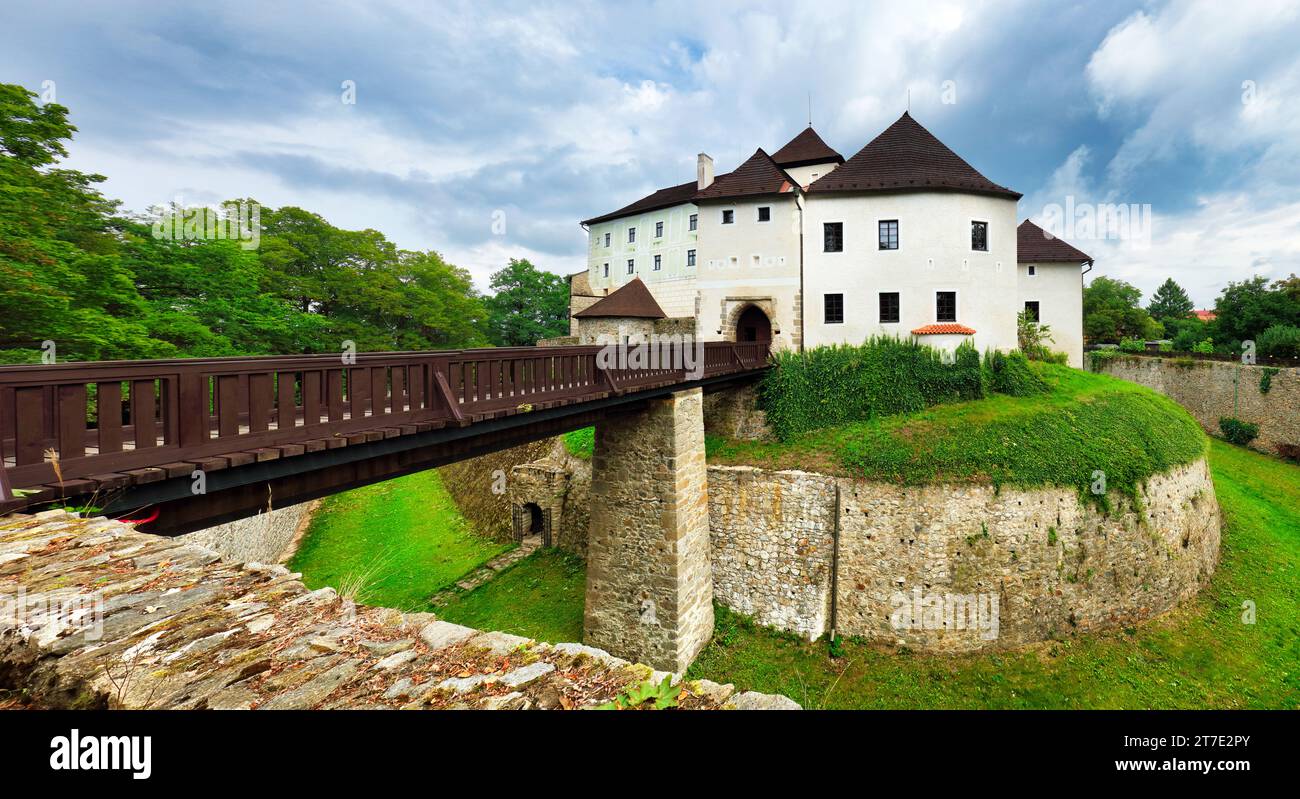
(703,172)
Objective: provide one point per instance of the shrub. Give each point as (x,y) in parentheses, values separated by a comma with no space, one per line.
(1099,358)
(1204,347)
(1279,341)
(1011,374)
(1186,339)
(1266,378)
(829,386)
(1289,451)
(1033,336)
(1166,346)
(1132,345)
(1238,432)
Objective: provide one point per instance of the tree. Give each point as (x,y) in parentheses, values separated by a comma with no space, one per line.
(1170,301)
(528,304)
(1111,312)
(1247,308)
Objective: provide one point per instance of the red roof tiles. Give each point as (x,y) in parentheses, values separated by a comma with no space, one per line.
(804,149)
(759,175)
(1035,244)
(944,328)
(632,301)
(907,157)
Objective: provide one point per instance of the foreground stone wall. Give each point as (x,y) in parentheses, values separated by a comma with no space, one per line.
(1210,390)
(264,538)
(96,615)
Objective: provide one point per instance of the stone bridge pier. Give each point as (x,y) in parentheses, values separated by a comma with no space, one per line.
(649,581)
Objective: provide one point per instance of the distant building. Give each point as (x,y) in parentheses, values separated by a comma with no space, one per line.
(803,247)
(1206,316)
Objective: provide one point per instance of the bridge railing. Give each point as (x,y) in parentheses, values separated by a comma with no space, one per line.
(64,422)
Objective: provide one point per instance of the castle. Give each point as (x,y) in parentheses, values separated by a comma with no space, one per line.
(804,248)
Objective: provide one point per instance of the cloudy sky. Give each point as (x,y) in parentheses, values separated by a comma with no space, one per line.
(551,113)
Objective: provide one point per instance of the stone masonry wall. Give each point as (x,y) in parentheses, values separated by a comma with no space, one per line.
(1212,389)
(649,586)
(264,538)
(96,615)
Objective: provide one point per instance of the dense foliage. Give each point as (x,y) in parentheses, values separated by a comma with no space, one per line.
(1011,374)
(1170,301)
(1238,432)
(527,305)
(828,386)
(1111,312)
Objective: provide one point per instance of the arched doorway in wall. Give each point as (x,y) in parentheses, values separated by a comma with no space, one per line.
(753,325)
(530,519)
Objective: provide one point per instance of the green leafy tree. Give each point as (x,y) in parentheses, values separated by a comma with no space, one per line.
(1111,312)
(527,304)
(1246,309)
(1170,301)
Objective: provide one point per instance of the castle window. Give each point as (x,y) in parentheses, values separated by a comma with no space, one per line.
(606,239)
(659,262)
(765,213)
(1033,270)
(979,236)
(834,307)
(728,216)
(606,273)
(832,237)
(690,257)
(631,265)
(631,235)
(888,307)
(695,221)
(659,230)
(889,234)
(1031,311)
(945,306)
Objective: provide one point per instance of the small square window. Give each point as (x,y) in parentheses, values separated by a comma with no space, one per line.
(945,306)
(889,234)
(690,257)
(631,265)
(631,235)
(834,306)
(606,272)
(755,261)
(979,236)
(695,221)
(888,307)
(1033,270)
(728,216)
(606,239)
(764,213)
(832,237)
(659,262)
(1031,311)
(659,230)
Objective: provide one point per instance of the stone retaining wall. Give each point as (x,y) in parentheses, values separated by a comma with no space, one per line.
(264,538)
(1210,390)
(96,615)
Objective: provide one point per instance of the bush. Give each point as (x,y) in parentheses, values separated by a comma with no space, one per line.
(1099,358)
(1279,341)
(1238,432)
(829,386)
(1132,345)
(1204,347)
(1186,339)
(1011,374)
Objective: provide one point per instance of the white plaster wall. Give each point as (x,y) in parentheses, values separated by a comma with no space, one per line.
(804,175)
(673,284)
(1058,288)
(934,254)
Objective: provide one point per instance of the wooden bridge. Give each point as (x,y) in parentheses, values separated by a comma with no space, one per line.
(188,443)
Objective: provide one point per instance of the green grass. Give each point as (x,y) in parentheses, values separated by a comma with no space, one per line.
(401,540)
(540,597)
(1199,656)
(1087,422)
(581,443)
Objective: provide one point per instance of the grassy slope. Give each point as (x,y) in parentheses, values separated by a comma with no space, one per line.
(1200,655)
(1088,422)
(581,443)
(404,538)
(540,597)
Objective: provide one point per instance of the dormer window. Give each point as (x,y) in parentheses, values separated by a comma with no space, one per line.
(765,213)
(631,235)
(728,216)
(659,230)
(979,236)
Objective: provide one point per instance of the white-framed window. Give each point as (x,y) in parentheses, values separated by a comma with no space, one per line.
(728,216)
(764,213)
(631,235)
(659,262)
(659,230)
(945,306)
(690,257)
(695,221)
(1033,270)
(889,308)
(606,271)
(607,239)
(631,265)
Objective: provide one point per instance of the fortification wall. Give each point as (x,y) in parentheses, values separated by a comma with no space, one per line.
(264,538)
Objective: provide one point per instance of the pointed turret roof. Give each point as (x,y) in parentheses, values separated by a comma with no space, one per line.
(632,301)
(1035,244)
(907,157)
(758,175)
(804,149)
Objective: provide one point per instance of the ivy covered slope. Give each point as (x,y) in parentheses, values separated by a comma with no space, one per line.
(1080,424)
